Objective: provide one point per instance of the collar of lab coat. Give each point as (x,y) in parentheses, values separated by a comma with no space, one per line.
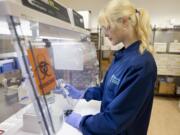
(134,47)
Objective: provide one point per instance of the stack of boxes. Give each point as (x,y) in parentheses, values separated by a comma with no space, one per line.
(174,64)
(161,59)
(168,62)
(162,65)
(174,47)
(160,47)
(95,39)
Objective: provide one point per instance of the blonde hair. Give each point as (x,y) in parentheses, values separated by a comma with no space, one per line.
(140,20)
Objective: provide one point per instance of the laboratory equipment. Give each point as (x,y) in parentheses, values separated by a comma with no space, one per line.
(47,45)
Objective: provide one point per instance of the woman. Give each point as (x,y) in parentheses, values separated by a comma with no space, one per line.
(127,89)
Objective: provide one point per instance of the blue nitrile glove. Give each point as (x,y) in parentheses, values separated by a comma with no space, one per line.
(73,92)
(74,120)
(60,91)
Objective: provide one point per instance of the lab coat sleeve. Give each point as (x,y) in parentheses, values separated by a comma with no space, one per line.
(94,93)
(123,110)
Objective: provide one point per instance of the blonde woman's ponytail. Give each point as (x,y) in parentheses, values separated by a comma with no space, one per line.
(139,18)
(143,29)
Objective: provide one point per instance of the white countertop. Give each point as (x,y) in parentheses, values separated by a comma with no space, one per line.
(14,124)
(84,108)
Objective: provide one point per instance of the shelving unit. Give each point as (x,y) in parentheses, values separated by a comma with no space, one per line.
(172,59)
(168,61)
(97,38)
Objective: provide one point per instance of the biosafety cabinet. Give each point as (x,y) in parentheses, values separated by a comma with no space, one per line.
(42,44)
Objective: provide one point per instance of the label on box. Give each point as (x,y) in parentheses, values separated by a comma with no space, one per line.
(168,64)
(160,47)
(174,47)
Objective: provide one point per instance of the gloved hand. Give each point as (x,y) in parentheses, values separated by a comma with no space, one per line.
(74,120)
(73,92)
(60,91)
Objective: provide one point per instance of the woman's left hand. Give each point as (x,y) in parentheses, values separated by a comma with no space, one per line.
(74,119)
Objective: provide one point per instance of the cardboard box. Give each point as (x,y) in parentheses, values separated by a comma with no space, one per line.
(167,88)
(106,47)
(174,47)
(168,64)
(160,47)
(161,59)
(106,54)
(164,71)
(176,71)
(31,123)
(105,65)
(174,60)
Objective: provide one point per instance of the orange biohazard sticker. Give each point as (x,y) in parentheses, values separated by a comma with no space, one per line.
(43,73)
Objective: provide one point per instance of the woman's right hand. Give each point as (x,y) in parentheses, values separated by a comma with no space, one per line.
(73,92)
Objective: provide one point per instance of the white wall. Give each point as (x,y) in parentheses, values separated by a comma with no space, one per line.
(161,11)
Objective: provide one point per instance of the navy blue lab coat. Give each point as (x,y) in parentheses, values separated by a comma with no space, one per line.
(126,94)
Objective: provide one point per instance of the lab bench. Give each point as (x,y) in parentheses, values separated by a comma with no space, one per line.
(14,125)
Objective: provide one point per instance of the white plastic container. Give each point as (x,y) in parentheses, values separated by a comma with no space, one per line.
(160,47)
(178,90)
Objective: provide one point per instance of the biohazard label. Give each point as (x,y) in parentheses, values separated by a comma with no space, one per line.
(43,72)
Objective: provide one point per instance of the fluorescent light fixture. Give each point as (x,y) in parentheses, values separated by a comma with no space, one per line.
(57,38)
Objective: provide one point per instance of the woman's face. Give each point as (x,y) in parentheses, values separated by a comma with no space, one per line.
(115,34)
